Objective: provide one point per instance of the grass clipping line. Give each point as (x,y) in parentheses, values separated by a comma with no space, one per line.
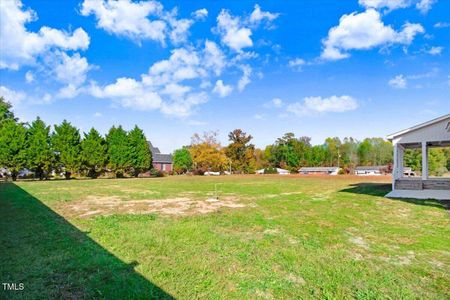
(104,206)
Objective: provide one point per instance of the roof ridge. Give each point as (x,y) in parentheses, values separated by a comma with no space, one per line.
(421,125)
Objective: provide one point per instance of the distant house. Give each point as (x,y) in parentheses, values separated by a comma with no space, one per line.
(319,170)
(210,173)
(370,170)
(279,171)
(161,162)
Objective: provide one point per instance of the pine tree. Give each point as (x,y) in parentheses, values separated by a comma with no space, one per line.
(13,146)
(118,150)
(66,144)
(139,154)
(241,152)
(93,152)
(5,111)
(39,153)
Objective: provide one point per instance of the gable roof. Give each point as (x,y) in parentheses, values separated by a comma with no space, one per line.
(159,157)
(162,158)
(152,148)
(402,132)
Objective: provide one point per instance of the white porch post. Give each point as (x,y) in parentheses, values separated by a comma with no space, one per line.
(394,173)
(424,161)
(400,155)
(398,163)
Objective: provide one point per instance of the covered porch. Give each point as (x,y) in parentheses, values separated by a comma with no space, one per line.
(435,133)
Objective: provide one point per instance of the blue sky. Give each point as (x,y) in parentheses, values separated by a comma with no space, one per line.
(318,68)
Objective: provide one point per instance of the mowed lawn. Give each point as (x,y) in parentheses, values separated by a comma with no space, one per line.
(265,237)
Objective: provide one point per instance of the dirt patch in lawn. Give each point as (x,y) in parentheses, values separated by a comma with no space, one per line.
(94,206)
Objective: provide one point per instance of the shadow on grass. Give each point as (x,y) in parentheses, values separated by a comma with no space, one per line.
(55,260)
(381,189)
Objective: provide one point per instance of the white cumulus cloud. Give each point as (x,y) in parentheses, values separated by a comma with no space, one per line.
(214,57)
(398,82)
(297,63)
(245,79)
(142,20)
(129,19)
(200,14)
(180,27)
(258,16)
(233,32)
(236,32)
(362,31)
(19,46)
(12,96)
(71,69)
(423,5)
(435,50)
(175,86)
(335,104)
(389,4)
(222,89)
(274,103)
(441,25)
(29,77)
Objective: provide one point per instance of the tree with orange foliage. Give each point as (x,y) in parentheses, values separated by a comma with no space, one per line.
(207,153)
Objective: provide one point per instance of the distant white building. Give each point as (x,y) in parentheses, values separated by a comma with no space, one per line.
(279,171)
(434,133)
(283,171)
(319,170)
(370,170)
(210,173)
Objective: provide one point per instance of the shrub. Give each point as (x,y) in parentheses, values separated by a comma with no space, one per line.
(198,172)
(270,170)
(157,173)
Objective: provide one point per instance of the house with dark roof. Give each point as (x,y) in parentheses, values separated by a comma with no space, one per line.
(319,170)
(161,162)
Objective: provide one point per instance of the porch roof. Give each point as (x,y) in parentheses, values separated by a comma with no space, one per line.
(420,126)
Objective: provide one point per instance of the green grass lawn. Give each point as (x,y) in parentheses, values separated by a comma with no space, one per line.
(277,237)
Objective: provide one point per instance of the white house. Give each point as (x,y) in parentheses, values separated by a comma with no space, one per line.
(369,170)
(279,171)
(319,170)
(435,133)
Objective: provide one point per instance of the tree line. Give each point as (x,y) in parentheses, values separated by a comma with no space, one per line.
(64,151)
(287,152)
(205,153)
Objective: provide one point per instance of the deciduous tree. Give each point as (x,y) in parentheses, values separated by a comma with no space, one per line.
(290,152)
(206,152)
(182,160)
